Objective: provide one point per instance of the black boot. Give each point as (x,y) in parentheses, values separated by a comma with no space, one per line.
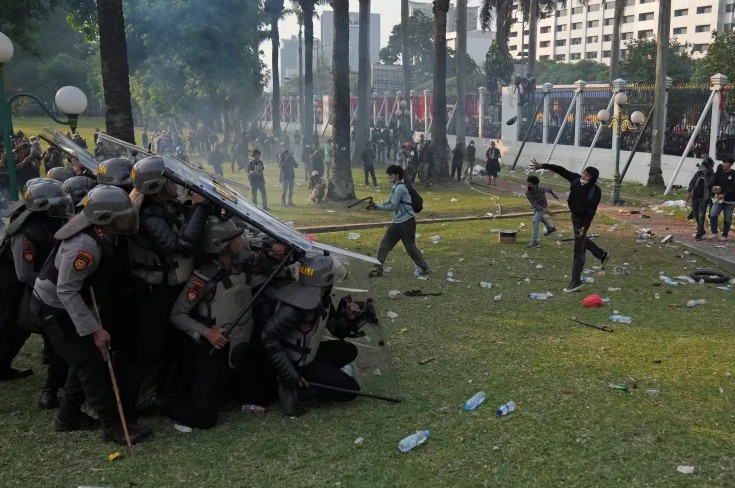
(137,433)
(48,400)
(80,421)
(290,401)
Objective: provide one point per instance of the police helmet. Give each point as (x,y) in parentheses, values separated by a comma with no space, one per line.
(148,176)
(111,207)
(217,234)
(77,187)
(316,276)
(115,172)
(60,174)
(707,162)
(49,197)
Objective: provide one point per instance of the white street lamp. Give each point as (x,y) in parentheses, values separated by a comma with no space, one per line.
(71,100)
(6,49)
(603,115)
(637,117)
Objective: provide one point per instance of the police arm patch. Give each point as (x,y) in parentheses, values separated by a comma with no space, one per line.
(82,261)
(192,295)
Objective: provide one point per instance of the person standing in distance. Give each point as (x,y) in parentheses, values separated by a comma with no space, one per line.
(403,227)
(257,179)
(584,196)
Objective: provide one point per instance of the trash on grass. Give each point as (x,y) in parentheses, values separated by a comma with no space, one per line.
(594,300)
(621,319)
(669,281)
(475,401)
(426,360)
(353,236)
(392,315)
(653,393)
(453,200)
(539,266)
(394,294)
(588,279)
(525,255)
(696,303)
(435,239)
(359,441)
(506,409)
(486,284)
(685,469)
(675,204)
(184,429)
(415,439)
(613,289)
(497,298)
(114,456)
(540,296)
(613,386)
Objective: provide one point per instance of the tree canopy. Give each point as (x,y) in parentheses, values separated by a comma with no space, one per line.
(567,73)
(719,58)
(640,60)
(21,21)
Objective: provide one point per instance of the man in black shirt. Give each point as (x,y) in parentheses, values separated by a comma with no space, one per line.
(257,180)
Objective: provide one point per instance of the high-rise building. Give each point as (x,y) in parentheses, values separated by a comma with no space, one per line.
(289,58)
(327,35)
(577,32)
(473,14)
(478,42)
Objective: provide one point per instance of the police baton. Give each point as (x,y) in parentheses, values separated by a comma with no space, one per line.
(370,199)
(355,392)
(108,360)
(249,305)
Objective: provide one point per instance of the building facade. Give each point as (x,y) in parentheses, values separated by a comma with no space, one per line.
(327,35)
(473,15)
(478,42)
(577,32)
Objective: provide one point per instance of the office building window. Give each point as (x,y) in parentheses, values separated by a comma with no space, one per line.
(729,7)
(628,19)
(512,48)
(645,1)
(681,12)
(526,32)
(591,39)
(561,28)
(704,10)
(575,41)
(607,38)
(679,31)
(525,46)
(626,36)
(607,22)
(606,54)
(561,12)
(561,42)
(544,57)
(642,34)
(609,5)
(576,25)
(699,48)
(513,34)
(560,57)
(593,23)
(591,55)
(727,27)
(515,6)
(594,8)
(646,16)
(577,10)
(546,30)
(575,56)
(544,44)
(702,28)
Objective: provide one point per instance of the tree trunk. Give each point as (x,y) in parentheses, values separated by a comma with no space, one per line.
(461,54)
(307,7)
(363,81)
(301,75)
(439,113)
(655,177)
(341,186)
(532,28)
(405,49)
(504,19)
(115,74)
(615,47)
(276,105)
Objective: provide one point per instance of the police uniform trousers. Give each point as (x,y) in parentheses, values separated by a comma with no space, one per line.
(327,369)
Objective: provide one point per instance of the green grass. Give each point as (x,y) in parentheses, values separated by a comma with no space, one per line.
(569,429)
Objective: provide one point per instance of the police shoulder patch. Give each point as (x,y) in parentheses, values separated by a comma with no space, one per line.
(82,260)
(197,283)
(29,256)
(192,294)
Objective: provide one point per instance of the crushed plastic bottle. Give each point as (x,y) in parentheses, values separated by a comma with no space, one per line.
(621,319)
(486,284)
(540,296)
(475,401)
(415,439)
(497,298)
(696,303)
(252,408)
(588,279)
(657,296)
(506,409)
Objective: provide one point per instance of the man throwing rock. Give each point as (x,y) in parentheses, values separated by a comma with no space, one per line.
(584,196)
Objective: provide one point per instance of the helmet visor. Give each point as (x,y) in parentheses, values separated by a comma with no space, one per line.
(61,208)
(125,222)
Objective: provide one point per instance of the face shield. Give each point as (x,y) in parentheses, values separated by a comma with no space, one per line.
(60,207)
(125,222)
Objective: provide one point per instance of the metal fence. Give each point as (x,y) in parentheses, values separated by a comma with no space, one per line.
(726,136)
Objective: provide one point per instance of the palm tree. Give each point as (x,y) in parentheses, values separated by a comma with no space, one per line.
(655,177)
(461,55)
(308,13)
(275,11)
(405,48)
(439,112)
(363,79)
(115,73)
(341,186)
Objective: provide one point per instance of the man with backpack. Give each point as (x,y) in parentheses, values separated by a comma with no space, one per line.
(405,203)
(584,196)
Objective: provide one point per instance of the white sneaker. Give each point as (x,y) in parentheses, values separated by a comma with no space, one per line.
(722,238)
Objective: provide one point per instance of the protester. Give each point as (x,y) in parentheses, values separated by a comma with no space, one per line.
(724,197)
(536,195)
(256,170)
(457,159)
(368,160)
(403,228)
(316,187)
(492,164)
(288,177)
(584,196)
(699,192)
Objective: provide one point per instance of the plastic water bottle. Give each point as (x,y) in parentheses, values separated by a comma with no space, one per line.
(621,319)
(413,440)
(696,303)
(657,295)
(507,408)
(486,284)
(538,296)
(475,401)
(250,408)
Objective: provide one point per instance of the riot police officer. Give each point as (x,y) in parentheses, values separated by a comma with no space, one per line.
(160,258)
(116,172)
(60,173)
(64,299)
(293,336)
(77,187)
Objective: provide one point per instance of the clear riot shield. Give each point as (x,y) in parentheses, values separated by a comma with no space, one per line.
(373,367)
(70,148)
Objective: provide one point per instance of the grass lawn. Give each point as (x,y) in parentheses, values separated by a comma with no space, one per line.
(568,430)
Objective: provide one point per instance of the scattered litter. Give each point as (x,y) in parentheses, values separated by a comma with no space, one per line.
(645,234)
(452,280)
(539,266)
(728,374)
(685,278)
(675,204)
(330,211)
(423,277)
(653,393)
(489,214)
(588,279)
(392,315)
(394,294)
(435,239)
(657,296)
(453,200)
(588,271)
(685,469)
(427,360)
(496,448)
(253,408)
(593,300)
(353,236)
(359,441)
(696,303)
(388,269)
(403,330)
(599,327)
(527,280)
(377,372)
(420,293)
(497,298)
(621,319)
(722,391)
(613,289)
(184,429)
(724,288)
(525,255)
(521,224)
(620,270)
(613,386)
(667,239)
(558,243)
(540,296)
(495,231)
(486,284)
(475,401)
(506,409)
(114,456)
(460,260)
(415,439)
(669,281)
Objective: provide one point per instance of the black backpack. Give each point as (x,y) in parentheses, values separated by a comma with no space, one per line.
(417,203)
